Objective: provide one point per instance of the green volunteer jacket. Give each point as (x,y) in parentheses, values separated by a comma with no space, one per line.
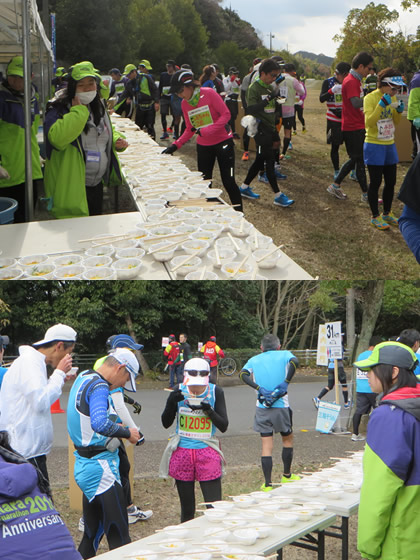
(65,169)
(12,137)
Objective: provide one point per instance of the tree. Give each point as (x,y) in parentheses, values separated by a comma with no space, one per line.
(410,4)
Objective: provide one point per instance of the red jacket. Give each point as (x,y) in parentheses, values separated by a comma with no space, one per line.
(211,351)
(172,352)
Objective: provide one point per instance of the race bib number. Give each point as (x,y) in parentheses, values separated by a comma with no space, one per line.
(386,129)
(338,98)
(165,90)
(93,156)
(200,117)
(270,108)
(194,424)
(284,90)
(360,374)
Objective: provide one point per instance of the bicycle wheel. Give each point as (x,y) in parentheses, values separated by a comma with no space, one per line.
(227,366)
(160,372)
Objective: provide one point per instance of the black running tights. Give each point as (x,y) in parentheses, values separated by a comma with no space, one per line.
(211,489)
(376,172)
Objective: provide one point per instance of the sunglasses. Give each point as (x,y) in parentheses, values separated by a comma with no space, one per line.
(195,373)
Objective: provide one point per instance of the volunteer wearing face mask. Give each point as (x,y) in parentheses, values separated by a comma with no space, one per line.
(193,453)
(81,146)
(206,116)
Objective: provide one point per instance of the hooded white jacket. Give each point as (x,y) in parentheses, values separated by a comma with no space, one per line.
(26,395)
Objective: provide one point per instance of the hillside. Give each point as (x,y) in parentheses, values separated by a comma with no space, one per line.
(321,58)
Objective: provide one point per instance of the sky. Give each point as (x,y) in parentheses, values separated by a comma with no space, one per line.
(308,25)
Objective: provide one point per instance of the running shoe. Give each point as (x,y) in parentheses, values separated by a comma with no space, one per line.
(135,514)
(390,219)
(81,525)
(347,405)
(174,137)
(169,129)
(336,191)
(304,131)
(283,200)
(357,437)
(248,193)
(263,178)
(364,198)
(284,156)
(245,156)
(291,478)
(379,223)
(294,132)
(164,136)
(280,175)
(265,488)
(315,400)
(353,175)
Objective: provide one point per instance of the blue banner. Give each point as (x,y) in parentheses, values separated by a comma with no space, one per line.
(327,416)
(53,41)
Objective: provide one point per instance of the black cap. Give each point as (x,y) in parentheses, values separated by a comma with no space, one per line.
(180,79)
(233,70)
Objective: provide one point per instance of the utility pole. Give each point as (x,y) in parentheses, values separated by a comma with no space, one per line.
(271,44)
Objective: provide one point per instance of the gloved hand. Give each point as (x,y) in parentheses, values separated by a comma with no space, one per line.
(3,173)
(400,107)
(170,149)
(337,88)
(385,100)
(141,440)
(196,130)
(416,122)
(280,390)
(280,78)
(265,393)
(176,396)
(204,406)
(137,407)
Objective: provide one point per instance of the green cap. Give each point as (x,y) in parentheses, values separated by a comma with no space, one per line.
(15,67)
(60,71)
(390,353)
(82,70)
(129,68)
(145,63)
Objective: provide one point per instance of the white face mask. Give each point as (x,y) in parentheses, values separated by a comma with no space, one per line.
(86,97)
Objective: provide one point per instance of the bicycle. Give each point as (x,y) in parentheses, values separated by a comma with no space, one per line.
(227,366)
(161,371)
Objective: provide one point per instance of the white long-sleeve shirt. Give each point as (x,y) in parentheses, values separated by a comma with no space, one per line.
(26,396)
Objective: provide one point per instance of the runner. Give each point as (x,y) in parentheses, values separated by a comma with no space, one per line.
(165,96)
(299,106)
(331,95)
(371,81)
(261,100)
(388,523)
(244,88)
(353,125)
(380,152)
(124,107)
(93,431)
(413,110)
(117,85)
(207,117)
(212,352)
(208,76)
(270,374)
(289,88)
(365,397)
(194,452)
(331,381)
(232,85)
(171,352)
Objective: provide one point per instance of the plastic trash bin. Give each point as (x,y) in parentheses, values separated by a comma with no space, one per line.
(8,207)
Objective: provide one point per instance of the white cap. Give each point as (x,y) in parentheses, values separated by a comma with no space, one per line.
(196,364)
(128,359)
(58,333)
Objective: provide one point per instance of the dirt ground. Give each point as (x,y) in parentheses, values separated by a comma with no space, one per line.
(329,238)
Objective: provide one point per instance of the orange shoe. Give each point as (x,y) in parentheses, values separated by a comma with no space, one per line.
(245,156)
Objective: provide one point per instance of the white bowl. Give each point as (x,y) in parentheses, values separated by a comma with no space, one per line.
(283,503)
(269,262)
(236,523)
(226,243)
(193,210)
(246,537)
(160,230)
(215,515)
(263,241)
(192,265)
(286,519)
(316,507)
(217,532)
(195,193)
(141,231)
(186,228)
(125,243)
(43,271)
(237,230)
(164,255)
(191,221)
(226,506)
(229,269)
(244,500)
(127,269)
(311,491)
(96,262)
(237,554)
(333,494)
(32,260)
(6,262)
(197,246)
(223,222)
(211,228)
(261,496)
(11,273)
(145,555)
(270,507)
(291,488)
(171,196)
(68,260)
(154,202)
(130,252)
(95,251)
(351,487)
(99,273)
(202,235)
(263,530)
(155,210)
(196,275)
(252,513)
(225,255)
(213,193)
(172,545)
(177,531)
(72,272)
